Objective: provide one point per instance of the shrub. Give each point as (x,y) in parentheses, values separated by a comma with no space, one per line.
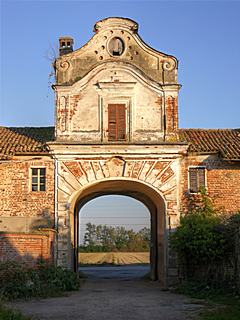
(197,240)
(18,281)
(206,245)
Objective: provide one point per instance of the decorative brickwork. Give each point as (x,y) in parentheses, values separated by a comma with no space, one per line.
(172,114)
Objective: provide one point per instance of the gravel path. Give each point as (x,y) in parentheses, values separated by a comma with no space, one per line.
(113,299)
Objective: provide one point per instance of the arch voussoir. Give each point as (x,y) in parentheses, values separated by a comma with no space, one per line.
(152,181)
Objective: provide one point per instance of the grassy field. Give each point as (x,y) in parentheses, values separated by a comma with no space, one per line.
(220,304)
(118,258)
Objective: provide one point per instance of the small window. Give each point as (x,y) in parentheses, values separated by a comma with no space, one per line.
(196,179)
(116,46)
(38,179)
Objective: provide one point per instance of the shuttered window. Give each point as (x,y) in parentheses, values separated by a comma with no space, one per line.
(196,179)
(116,122)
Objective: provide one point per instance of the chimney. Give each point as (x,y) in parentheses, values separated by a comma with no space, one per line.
(65,45)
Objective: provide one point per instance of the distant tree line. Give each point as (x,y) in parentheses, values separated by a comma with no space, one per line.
(102,238)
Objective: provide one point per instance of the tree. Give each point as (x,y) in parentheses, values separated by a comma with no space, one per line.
(90,235)
(109,238)
(145,234)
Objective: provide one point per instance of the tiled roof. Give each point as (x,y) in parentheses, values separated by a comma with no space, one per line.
(24,140)
(30,140)
(223,141)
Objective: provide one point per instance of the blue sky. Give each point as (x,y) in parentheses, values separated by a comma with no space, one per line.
(116,211)
(203,35)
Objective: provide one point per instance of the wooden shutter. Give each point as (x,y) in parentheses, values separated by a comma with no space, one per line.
(116,122)
(121,121)
(112,122)
(193,181)
(196,179)
(201,178)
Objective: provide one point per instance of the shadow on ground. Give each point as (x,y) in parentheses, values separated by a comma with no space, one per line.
(116,293)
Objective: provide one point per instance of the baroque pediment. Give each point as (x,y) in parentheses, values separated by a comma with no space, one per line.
(116,40)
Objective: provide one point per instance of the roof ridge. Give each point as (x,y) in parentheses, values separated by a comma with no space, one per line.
(209,129)
(27,127)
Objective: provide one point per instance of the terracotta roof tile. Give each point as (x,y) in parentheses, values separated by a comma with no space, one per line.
(223,141)
(24,140)
(226,142)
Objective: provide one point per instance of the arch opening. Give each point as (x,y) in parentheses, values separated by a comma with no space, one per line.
(140,191)
(114,238)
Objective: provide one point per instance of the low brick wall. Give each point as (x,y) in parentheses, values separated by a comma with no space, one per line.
(27,248)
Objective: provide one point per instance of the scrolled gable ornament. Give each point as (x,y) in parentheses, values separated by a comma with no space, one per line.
(168,64)
(62,65)
(134,28)
(96,28)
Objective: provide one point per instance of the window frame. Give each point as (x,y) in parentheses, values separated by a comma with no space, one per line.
(116,99)
(205,178)
(38,181)
(109,47)
(115,92)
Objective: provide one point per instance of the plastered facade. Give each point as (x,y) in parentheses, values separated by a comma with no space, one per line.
(82,109)
(75,66)
(143,79)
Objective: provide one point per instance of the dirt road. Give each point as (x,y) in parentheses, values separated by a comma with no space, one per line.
(113,299)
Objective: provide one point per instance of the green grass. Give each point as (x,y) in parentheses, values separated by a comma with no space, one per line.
(7,314)
(222,307)
(221,304)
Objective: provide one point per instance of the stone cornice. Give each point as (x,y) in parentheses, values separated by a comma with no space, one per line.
(76,150)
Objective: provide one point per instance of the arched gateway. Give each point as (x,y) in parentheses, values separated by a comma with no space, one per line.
(117,133)
(140,191)
(149,179)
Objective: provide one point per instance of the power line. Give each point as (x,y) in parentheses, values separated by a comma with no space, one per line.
(125,224)
(114,217)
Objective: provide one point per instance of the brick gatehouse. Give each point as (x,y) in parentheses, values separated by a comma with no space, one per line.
(116,132)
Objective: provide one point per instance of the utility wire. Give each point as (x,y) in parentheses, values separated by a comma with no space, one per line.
(114,217)
(125,224)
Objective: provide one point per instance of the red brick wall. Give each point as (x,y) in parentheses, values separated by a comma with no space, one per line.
(17,200)
(171,114)
(27,248)
(16,197)
(223,181)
